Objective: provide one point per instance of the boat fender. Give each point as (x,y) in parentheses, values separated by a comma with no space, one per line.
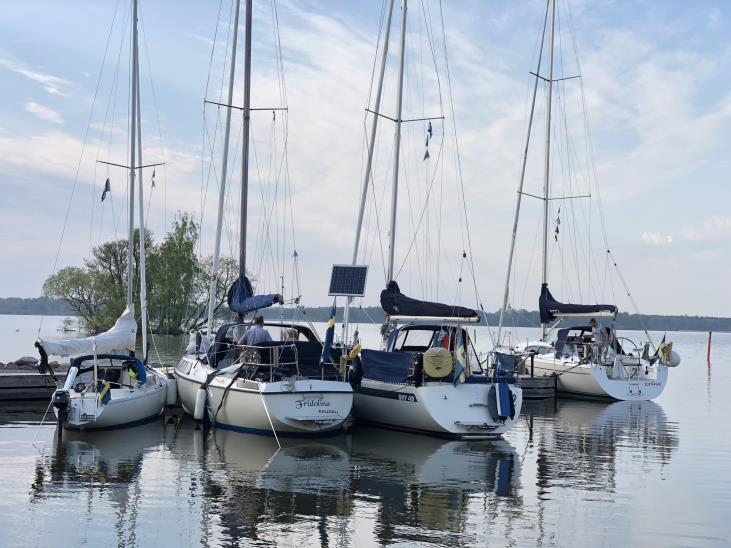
(200,403)
(492,403)
(673,360)
(505,406)
(171,394)
(438,363)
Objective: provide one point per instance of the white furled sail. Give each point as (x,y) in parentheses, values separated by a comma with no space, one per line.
(119,338)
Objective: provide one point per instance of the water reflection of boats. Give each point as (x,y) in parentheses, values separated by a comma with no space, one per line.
(423,483)
(102,458)
(249,482)
(93,472)
(299,466)
(579,442)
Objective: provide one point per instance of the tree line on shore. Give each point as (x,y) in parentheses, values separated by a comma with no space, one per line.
(177,292)
(374,314)
(531,318)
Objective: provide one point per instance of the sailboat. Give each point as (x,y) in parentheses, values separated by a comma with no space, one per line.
(427,376)
(589,360)
(280,388)
(107,386)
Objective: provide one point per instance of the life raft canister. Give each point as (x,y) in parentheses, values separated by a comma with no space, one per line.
(438,363)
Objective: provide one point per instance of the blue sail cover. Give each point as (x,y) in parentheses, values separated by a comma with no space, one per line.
(241,298)
(395,303)
(550,308)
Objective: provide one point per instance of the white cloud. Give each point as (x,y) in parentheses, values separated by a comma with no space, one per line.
(656,238)
(715,228)
(52,84)
(43,112)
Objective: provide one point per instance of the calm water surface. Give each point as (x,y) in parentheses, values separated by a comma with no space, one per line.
(570,473)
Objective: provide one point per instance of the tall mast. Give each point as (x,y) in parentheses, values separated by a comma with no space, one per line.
(546,173)
(141,198)
(372,142)
(245,151)
(132,152)
(212,289)
(397,145)
(522,180)
(369,162)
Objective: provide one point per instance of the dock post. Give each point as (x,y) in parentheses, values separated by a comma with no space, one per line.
(532,356)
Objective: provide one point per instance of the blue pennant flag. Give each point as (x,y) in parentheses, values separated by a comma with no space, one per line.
(329,336)
(107,188)
(429,131)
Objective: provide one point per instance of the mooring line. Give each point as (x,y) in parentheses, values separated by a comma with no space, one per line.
(264,403)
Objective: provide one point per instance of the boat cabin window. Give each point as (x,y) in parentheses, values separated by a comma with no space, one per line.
(422,338)
(539,348)
(414,340)
(291,334)
(473,360)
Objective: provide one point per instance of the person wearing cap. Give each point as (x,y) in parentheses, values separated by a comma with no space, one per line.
(256,334)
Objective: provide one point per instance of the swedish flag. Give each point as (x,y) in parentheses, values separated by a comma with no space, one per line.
(658,352)
(105,394)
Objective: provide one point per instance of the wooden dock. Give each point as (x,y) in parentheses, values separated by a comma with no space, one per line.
(537,388)
(27,385)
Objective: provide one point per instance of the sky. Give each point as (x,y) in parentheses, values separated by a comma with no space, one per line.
(654,88)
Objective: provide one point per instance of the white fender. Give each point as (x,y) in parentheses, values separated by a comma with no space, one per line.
(200,403)
(172,391)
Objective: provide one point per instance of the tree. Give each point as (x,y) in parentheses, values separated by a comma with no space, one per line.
(174,273)
(98,291)
(228,271)
(76,287)
(177,282)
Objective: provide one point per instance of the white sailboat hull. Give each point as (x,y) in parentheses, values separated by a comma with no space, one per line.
(598,381)
(126,407)
(436,408)
(299,407)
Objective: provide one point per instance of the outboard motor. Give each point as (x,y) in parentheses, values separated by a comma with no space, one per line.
(61,401)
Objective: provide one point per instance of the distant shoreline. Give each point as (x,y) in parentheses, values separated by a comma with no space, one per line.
(43,306)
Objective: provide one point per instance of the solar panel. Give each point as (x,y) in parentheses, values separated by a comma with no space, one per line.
(348,280)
